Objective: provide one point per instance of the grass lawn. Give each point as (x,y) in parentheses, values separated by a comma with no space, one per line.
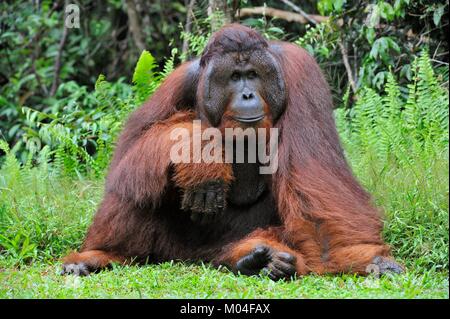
(188,281)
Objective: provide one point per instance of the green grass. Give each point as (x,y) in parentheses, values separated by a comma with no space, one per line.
(187,281)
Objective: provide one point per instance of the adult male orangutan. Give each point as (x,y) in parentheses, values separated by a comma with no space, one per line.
(309,216)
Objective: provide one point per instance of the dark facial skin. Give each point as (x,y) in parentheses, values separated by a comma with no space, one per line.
(247,85)
(246,105)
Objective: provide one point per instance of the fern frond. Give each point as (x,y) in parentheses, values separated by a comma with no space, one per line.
(144,78)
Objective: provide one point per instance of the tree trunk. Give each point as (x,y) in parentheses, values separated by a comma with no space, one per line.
(218,13)
(134,25)
(187,27)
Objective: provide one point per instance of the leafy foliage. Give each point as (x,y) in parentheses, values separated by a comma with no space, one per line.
(379,38)
(81,140)
(29,43)
(391,127)
(401,147)
(378,35)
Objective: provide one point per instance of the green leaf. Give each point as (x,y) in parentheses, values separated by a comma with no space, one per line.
(406,71)
(373,19)
(438,13)
(325,6)
(144,68)
(324,51)
(393,45)
(338,4)
(370,35)
(379,79)
(386,11)
(143,76)
(275,30)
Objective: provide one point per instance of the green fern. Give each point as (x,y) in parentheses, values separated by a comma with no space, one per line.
(144,78)
(169,65)
(395,129)
(11,165)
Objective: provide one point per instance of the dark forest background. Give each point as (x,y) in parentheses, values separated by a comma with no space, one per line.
(42,61)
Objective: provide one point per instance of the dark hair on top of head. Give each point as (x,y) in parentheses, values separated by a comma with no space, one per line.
(232,38)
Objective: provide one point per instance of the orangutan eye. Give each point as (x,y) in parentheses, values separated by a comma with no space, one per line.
(235,76)
(252,75)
